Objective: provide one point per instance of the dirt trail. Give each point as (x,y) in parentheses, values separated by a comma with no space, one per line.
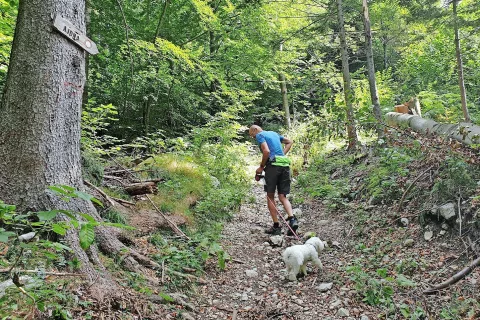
(257,288)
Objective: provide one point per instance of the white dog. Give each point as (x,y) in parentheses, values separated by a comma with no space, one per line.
(296,257)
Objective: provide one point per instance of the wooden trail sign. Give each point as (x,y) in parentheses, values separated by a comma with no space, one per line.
(75,35)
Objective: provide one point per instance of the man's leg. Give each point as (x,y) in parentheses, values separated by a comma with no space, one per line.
(276,229)
(270,187)
(271,206)
(286,204)
(283,190)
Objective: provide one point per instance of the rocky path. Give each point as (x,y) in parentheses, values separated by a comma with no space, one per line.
(254,285)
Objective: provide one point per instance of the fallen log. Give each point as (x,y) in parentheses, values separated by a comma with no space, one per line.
(150,180)
(141,188)
(463,132)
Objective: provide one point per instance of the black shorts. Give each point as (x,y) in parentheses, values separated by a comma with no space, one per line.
(277,178)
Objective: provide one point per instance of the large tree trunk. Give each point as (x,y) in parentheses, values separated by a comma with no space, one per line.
(40,121)
(351,130)
(461,82)
(371,70)
(283,88)
(40,113)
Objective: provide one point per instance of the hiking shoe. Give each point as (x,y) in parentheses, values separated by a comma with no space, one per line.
(274,231)
(293,222)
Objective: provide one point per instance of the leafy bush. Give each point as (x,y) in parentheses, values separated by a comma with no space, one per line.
(454,181)
(381,181)
(95,122)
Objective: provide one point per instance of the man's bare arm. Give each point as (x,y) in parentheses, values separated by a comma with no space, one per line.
(288,144)
(265,154)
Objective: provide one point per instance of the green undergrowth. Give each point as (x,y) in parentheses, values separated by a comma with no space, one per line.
(204,181)
(366,186)
(207,194)
(381,174)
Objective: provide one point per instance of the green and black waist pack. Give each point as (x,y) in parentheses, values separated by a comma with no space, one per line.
(281,161)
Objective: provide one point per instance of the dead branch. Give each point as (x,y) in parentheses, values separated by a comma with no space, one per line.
(107,197)
(400,204)
(187,276)
(235,260)
(114,178)
(109,200)
(459,218)
(157,180)
(126,171)
(186,269)
(455,278)
(121,201)
(163,271)
(173,225)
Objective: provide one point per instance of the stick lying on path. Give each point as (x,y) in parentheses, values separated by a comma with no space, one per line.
(455,278)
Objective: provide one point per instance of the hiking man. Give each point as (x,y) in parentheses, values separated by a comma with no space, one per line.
(277,174)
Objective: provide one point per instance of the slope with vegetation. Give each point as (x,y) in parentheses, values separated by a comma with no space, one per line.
(163,110)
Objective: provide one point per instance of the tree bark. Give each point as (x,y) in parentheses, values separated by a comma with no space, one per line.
(160,21)
(371,71)
(40,113)
(461,82)
(351,130)
(464,132)
(40,120)
(283,88)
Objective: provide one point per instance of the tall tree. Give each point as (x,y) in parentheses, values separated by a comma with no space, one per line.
(351,129)
(371,70)
(40,121)
(40,111)
(283,87)
(458,52)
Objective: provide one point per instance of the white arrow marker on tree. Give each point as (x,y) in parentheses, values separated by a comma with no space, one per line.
(74,34)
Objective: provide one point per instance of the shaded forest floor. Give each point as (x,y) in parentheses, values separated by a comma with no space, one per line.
(379,260)
(378,268)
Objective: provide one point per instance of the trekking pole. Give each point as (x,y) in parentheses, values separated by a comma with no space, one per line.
(285,221)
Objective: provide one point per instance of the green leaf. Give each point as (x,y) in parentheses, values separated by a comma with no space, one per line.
(87,217)
(63,190)
(5,234)
(221,259)
(47,215)
(86,235)
(60,247)
(88,197)
(166,297)
(59,229)
(117,225)
(404,281)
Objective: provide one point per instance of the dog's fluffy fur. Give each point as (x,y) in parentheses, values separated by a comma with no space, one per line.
(296,257)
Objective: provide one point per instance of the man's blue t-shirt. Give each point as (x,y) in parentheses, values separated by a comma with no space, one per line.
(273,140)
